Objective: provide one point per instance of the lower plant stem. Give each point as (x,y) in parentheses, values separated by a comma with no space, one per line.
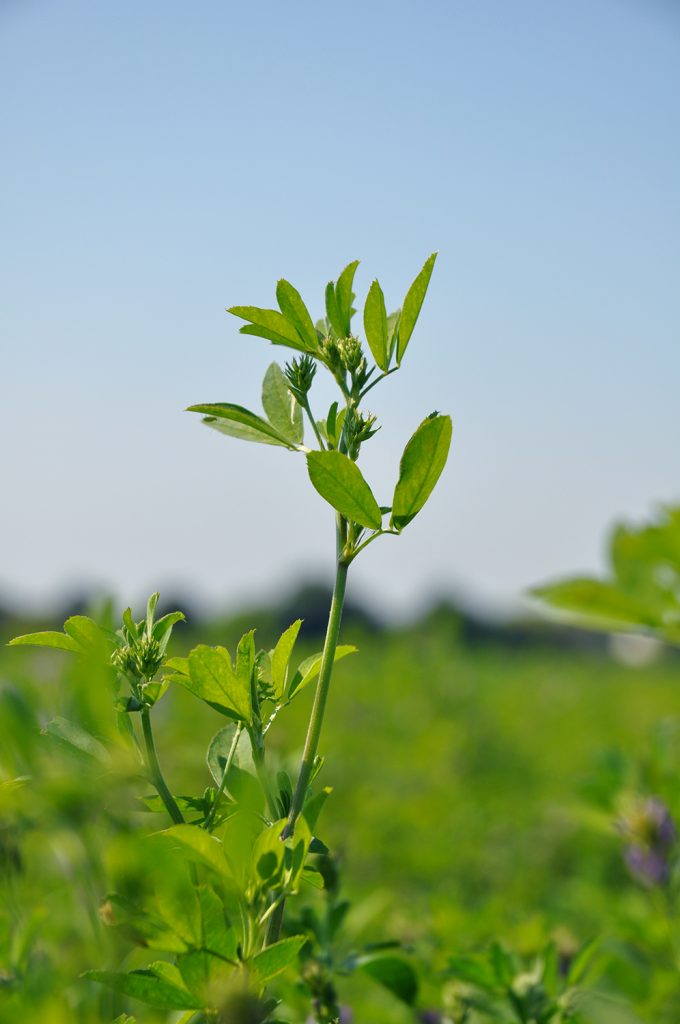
(314,728)
(155,772)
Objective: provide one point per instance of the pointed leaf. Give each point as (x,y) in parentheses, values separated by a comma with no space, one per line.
(421,465)
(593,599)
(219,751)
(412,305)
(275,959)
(275,324)
(49,638)
(149,988)
(283,412)
(344,297)
(77,739)
(375,325)
(199,845)
(394,973)
(339,481)
(310,668)
(332,311)
(276,339)
(293,308)
(281,656)
(240,422)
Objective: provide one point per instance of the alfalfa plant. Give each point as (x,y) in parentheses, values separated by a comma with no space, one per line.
(251,840)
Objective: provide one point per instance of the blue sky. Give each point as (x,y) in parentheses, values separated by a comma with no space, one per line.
(165,160)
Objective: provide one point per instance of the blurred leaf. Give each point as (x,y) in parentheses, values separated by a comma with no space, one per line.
(282,410)
(219,749)
(294,309)
(394,973)
(375,325)
(466,968)
(49,638)
(311,666)
(596,600)
(314,806)
(412,306)
(421,466)
(217,935)
(199,845)
(161,986)
(276,958)
(78,740)
(236,421)
(339,481)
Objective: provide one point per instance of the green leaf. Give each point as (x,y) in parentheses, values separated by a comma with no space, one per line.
(77,739)
(218,751)
(283,412)
(276,958)
(199,845)
(344,297)
(392,333)
(293,308)
(314,806)
(593,599)
(212,678)
(281,657)
(84,631)
(239,422)
(393,973)
(310,667)
(270,324)
(375,325)
(466,968)
(157,986)
(217,935)
(421,465)
(412,306)
(332,312)
(339,481)
(162,630)
(49,638)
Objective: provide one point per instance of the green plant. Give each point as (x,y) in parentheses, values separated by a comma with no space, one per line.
(250,840)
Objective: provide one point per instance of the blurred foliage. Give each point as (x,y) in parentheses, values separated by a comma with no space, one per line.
(483,794)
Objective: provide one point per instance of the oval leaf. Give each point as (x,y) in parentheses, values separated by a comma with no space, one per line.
(394,974)
(344,297)
(281,656)
(270,324)
(340,482)
(240,422)
(375,325)
(293,308)
(148,987)
(275,959)
(283,412)
(412,306)
(212,678)
(421,465)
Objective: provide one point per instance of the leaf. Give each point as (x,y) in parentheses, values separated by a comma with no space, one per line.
(149,987)
(394,974)
(162,630)
(281,656)
(344,297)
(212,678)
(199,845)
(332,312)
(310,668)
(421,466)
(392,333)
(375,325)
(276,958)
(465,968)
(217,936)
(314,806)
(294,309)
(270,324)
(84,631)
(49,638)
(339,481)
(412,306)
(283,412)
(239,422)
(219,750)
(77,739)
(593,599)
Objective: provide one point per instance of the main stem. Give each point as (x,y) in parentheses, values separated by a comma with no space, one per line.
(155,771)
(320,699)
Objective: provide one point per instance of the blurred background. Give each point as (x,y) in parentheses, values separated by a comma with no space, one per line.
(163,161)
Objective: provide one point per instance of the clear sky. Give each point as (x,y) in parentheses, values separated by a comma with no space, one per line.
(162,160)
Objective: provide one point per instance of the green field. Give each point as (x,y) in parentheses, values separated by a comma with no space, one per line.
(476,789)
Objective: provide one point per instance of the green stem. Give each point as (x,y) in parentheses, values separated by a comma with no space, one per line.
(223,781)
(155,771)
(320,698)
(317,432)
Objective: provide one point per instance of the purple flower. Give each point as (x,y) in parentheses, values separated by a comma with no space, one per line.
(430,1017)
(649,866)
(346,1015)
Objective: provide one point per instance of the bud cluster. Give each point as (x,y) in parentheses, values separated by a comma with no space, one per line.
(359,427)
(651,834)
(141,659)
(300,375)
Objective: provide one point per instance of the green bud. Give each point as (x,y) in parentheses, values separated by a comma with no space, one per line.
(300,375)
